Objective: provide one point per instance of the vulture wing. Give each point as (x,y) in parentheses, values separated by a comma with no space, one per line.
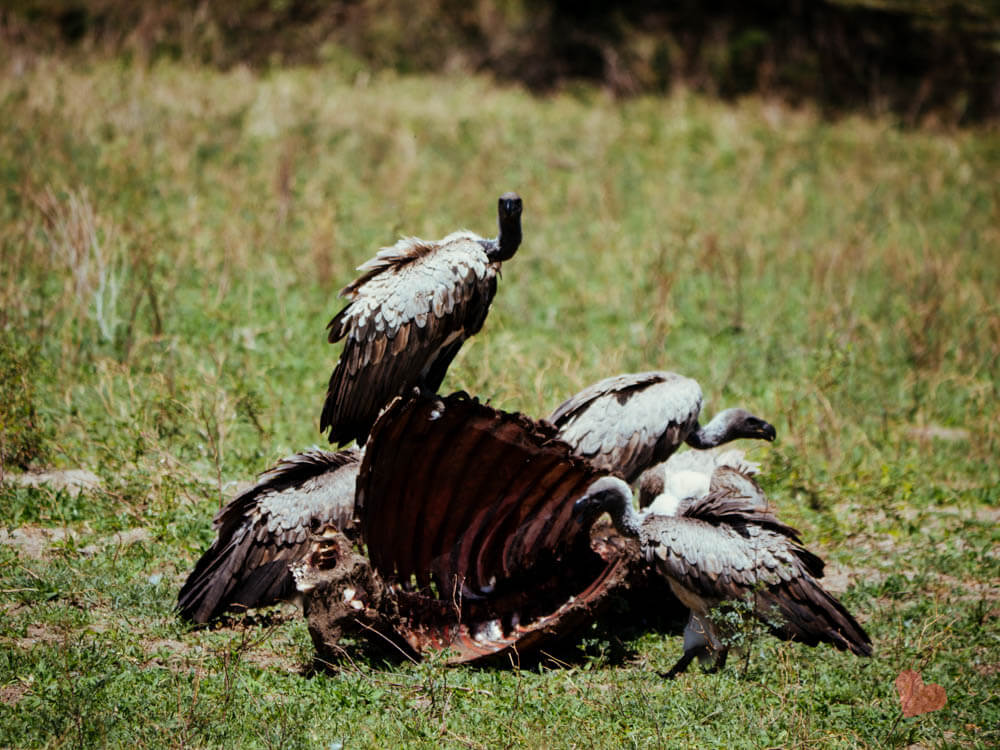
(627,423)
(469,510)
(408,314)
(716,563)
(265,529)
(736,501)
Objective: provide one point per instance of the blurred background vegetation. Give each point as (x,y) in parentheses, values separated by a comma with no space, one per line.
(918,59)
(797,204)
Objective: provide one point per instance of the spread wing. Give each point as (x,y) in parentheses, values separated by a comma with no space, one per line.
(265,529)
(469,510)
(627,423)
(408,314)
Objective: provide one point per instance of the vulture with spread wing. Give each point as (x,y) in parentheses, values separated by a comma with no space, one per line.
(628,423)
(408,315)
(264,530)
(466,514)
(726,546)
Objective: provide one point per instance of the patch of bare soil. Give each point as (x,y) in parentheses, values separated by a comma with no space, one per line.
(977,590)
(937,432)
(263,645)
(37,634)
(987,669)
(73,481)
(33,541)
(10,695)
(838,578)
(118,539)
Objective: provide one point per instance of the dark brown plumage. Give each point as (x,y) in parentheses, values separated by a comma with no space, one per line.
(264,530)
(409,313)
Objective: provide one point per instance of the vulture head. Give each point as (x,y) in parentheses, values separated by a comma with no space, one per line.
(601,496)
(509,221)
(731,424)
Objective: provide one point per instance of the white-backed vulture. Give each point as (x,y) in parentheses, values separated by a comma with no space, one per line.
(411,309)
(628,423)
(679,475)
(726,546)
(265,529)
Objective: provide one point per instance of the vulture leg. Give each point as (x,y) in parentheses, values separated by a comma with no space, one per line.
(682,664)
(701,652)
(720,661)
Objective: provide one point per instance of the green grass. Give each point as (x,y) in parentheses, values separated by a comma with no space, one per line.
(172,242)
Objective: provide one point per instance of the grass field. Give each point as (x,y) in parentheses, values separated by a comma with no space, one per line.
(172,242)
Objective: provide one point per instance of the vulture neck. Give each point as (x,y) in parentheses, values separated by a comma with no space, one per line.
(722,429)
(618,504)
(508,238)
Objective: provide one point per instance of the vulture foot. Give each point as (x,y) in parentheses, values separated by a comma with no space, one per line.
(700,652)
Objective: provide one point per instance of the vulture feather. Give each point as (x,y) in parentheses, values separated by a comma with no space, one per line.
(408,314)
(726,546)
(264,530)
(628,423)
(685,472)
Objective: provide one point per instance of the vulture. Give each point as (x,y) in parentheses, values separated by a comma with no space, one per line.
(264,530)
(408,314)
(725,546)
(466,513)
(627,423)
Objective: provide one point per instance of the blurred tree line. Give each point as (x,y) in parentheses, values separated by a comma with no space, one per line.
(911,57)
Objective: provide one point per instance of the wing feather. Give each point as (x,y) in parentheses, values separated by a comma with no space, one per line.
(708,564)
(628,422)
(423,298)
(265,529)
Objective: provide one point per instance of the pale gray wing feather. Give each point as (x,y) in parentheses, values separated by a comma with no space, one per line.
(628,422)
(265,529)
(717,563)
(417,302)
(707,564)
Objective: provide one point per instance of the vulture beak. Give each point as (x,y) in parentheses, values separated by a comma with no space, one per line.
(510,205)
(764,431)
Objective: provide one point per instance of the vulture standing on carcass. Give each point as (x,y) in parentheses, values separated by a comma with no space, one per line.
(264,530)
(409,313)
(726,546)
(628,423)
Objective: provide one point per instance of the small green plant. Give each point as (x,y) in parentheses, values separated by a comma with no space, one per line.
(741,625)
